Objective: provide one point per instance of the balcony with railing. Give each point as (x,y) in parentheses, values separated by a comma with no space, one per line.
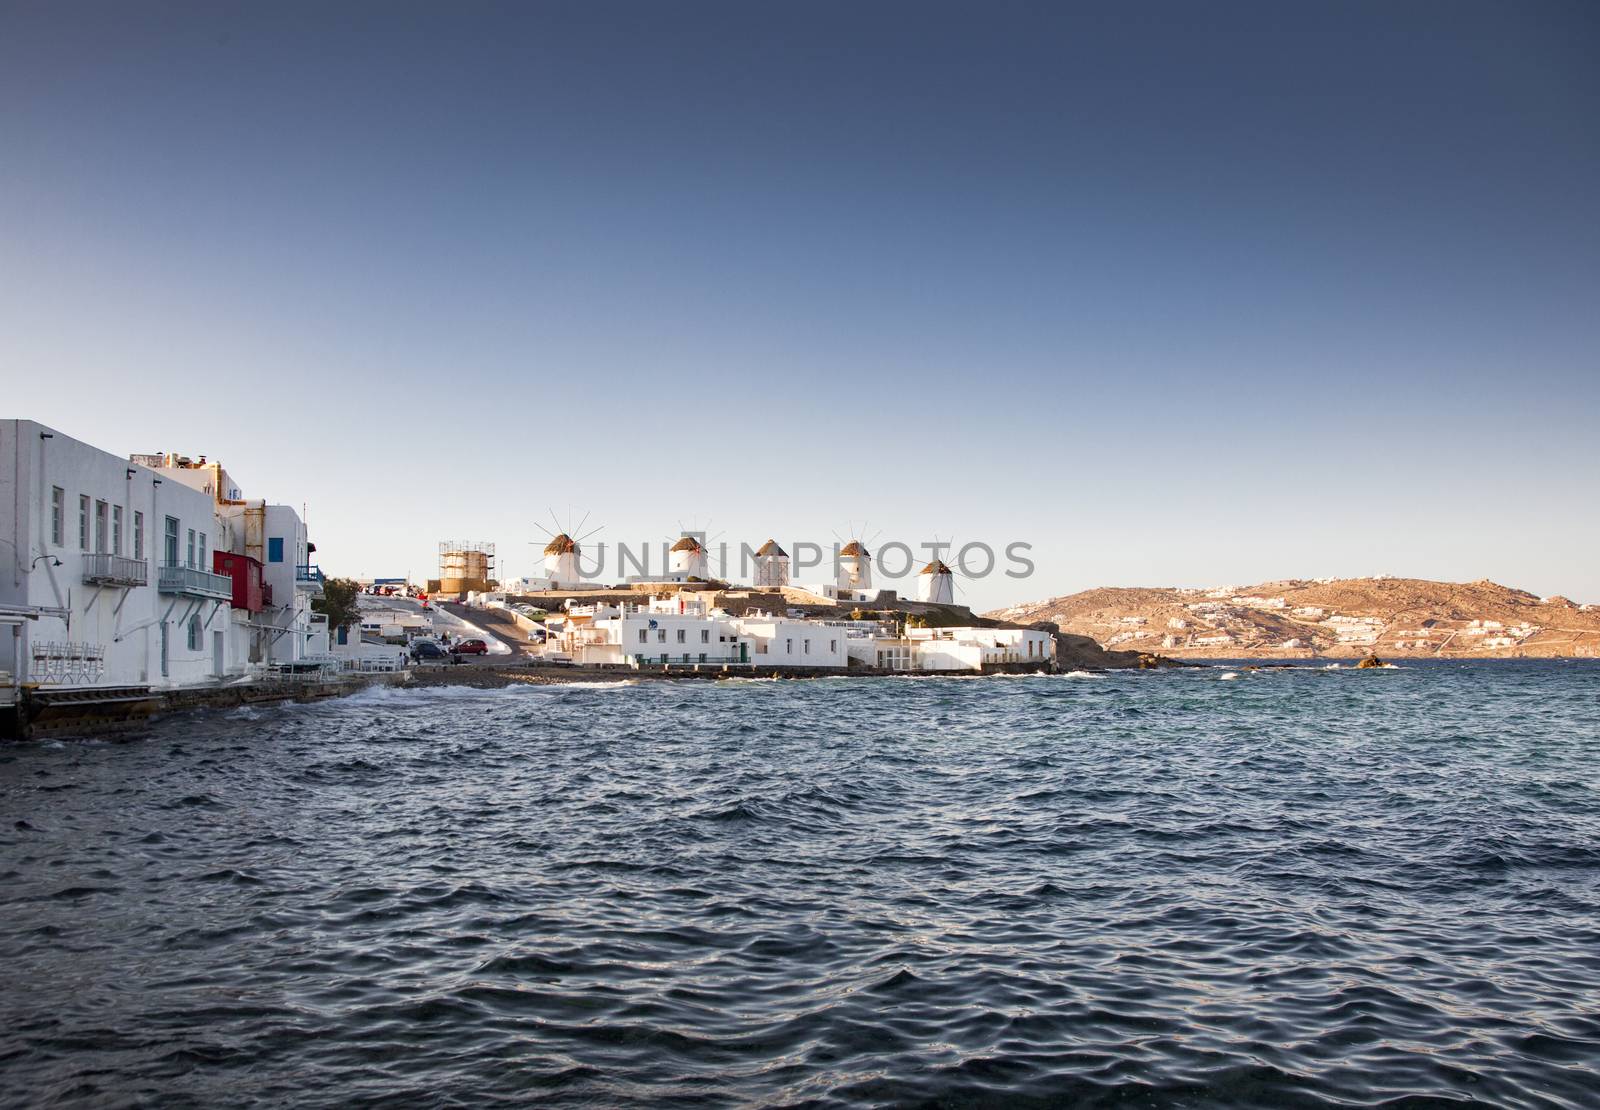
(194,582)
(309,578)
(115,570)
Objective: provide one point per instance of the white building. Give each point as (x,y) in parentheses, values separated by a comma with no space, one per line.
(273,538)
(788,642)
(673,631)
(527,584)
(956,649)
(133,576)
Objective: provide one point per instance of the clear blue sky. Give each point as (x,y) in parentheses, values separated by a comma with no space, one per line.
(1257,290)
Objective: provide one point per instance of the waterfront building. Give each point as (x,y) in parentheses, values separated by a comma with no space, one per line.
(676,631)
(791,642)
(136,575)
(955,649)
(271,560)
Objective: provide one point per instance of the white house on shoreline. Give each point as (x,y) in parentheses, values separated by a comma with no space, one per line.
(681,631)
(146,574)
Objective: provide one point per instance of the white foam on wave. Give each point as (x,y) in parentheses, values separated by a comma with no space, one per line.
(1228,674)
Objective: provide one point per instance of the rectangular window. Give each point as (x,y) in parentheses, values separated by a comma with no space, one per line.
(58,516)
(102,520)
(807,646)
(702,657)
(686,657)
(661,637)
(190,550)
(663,657)
(170,551)
(83,523)
(788,647)
(833,647)
(138,535)
(116,529)
(682,636)
(275,549)
(203,565)
(705,635)
(644,635)
(194,632)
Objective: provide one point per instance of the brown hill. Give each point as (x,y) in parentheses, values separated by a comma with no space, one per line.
(1340,618)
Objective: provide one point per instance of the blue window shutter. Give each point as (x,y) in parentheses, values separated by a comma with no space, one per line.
(275,549)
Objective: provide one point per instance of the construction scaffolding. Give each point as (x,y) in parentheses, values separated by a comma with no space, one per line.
(465,566)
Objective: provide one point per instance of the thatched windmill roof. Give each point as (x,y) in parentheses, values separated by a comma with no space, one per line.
(854,548)
(561,545)
(771,548)
(688,543)
(938,566)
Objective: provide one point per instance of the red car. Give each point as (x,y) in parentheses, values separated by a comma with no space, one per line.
(469,647)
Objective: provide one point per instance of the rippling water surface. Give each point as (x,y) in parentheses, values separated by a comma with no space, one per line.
(1285,887)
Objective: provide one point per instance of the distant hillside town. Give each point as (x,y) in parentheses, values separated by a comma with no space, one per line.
(1331,617)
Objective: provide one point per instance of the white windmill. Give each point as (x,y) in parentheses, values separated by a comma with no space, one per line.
(855,567)
(772,566)
(936,584)
(563,554)
(688,557)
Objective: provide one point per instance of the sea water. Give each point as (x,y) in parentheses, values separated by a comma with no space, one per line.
(1299,886)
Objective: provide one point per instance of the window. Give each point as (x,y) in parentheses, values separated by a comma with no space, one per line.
(190,550)
(833,647)
(194,632)
(682,635)
(58,516)
(203,564)
(661,637)
(102,513)
(702,657)
(116,529)
(171,549)
(788,647)
(138,535)
(807,646)
(663,657)
(644,635)
(686,657)
(275,549)
(83,523)
(705,635)
(344,633)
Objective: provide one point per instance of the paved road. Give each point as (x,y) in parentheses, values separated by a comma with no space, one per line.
(496,622)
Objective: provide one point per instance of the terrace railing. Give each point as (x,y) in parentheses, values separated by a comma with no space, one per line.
(115,570)
(194,582)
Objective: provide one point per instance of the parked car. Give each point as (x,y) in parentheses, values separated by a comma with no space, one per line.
(469,647)
(427,649)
